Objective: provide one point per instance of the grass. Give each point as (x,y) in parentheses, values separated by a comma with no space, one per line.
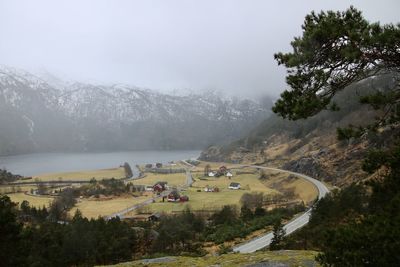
(213,165)
(83,175)
(304,189)
(36,201)
(174,179)
(266,258)
(17,188)
(214,200)
(92,208)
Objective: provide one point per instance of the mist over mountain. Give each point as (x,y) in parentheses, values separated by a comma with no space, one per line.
(44,113)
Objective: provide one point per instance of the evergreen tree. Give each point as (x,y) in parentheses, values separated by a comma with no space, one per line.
(128,170)
(279,234)
(10,234)
(336,50)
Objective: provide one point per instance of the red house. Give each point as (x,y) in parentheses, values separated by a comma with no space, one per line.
(160,186)
(173,196)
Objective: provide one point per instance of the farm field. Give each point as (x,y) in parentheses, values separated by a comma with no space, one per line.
(92,208)
(247,177)
(213,165)
(17,188)
(214,200)
(36,201)
(117,173)
(174,179)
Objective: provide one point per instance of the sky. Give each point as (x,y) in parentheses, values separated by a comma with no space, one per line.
(165,45)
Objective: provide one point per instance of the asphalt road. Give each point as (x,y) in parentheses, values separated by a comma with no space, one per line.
(264,240)
(189,177)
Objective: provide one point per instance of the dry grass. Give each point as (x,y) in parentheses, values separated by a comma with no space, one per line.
(250,182)
(36,201)
(214,200)
(17,188)
(83,175)
(174,179)
(214,166)
(266,258)
(303,189)
(92,208)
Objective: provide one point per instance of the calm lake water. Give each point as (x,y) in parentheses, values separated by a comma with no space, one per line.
(39,163)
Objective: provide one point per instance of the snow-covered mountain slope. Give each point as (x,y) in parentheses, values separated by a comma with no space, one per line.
(79,116)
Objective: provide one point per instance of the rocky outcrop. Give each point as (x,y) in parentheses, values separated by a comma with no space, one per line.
(309,166)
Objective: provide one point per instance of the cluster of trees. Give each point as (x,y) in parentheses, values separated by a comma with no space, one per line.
(8,177)
(180,233)
(105,187)
(360,225)
(62,204)
(228,223)
(186,232)
(46,237)
(79,242)
(128,170)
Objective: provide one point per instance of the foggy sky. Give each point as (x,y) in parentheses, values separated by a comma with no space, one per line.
(165,44)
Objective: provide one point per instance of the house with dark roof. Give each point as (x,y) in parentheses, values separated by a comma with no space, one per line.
(160,186)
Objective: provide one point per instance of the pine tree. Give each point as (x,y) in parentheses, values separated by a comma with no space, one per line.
(336,50)
(279,234)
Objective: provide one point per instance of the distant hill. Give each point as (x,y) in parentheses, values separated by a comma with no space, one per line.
(37,115)
(310,146)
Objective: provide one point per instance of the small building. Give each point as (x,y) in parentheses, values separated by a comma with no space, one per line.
(173,196)
(160,186)
(184,198)
(208,189)
(229,174)
(223,169)
(211,174)
(149,188)
(211,189)
(234,186)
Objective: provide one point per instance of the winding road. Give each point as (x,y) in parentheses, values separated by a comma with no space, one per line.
(264,240)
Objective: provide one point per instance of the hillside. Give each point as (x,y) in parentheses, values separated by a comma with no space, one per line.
(258,259)
(311,146)
(38,114)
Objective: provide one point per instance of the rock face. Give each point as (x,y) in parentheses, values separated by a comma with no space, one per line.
(212,153)
(36,115)
(309,166)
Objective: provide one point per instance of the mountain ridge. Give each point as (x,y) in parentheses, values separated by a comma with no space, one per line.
(39,117)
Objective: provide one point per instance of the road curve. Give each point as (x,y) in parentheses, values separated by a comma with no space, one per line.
(264,240)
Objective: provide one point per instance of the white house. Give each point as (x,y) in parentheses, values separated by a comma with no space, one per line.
(149,188)
(234,186)
(211,174)
(229,174)
(208,189)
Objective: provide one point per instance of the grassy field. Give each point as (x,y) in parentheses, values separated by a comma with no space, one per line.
(214,166)
(304,190)
(83,175)
(214,200)
(296,258)
(36,201)
(19,188)
(174,179)
(95,208)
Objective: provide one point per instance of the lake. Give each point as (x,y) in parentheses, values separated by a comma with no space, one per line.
(39,163)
